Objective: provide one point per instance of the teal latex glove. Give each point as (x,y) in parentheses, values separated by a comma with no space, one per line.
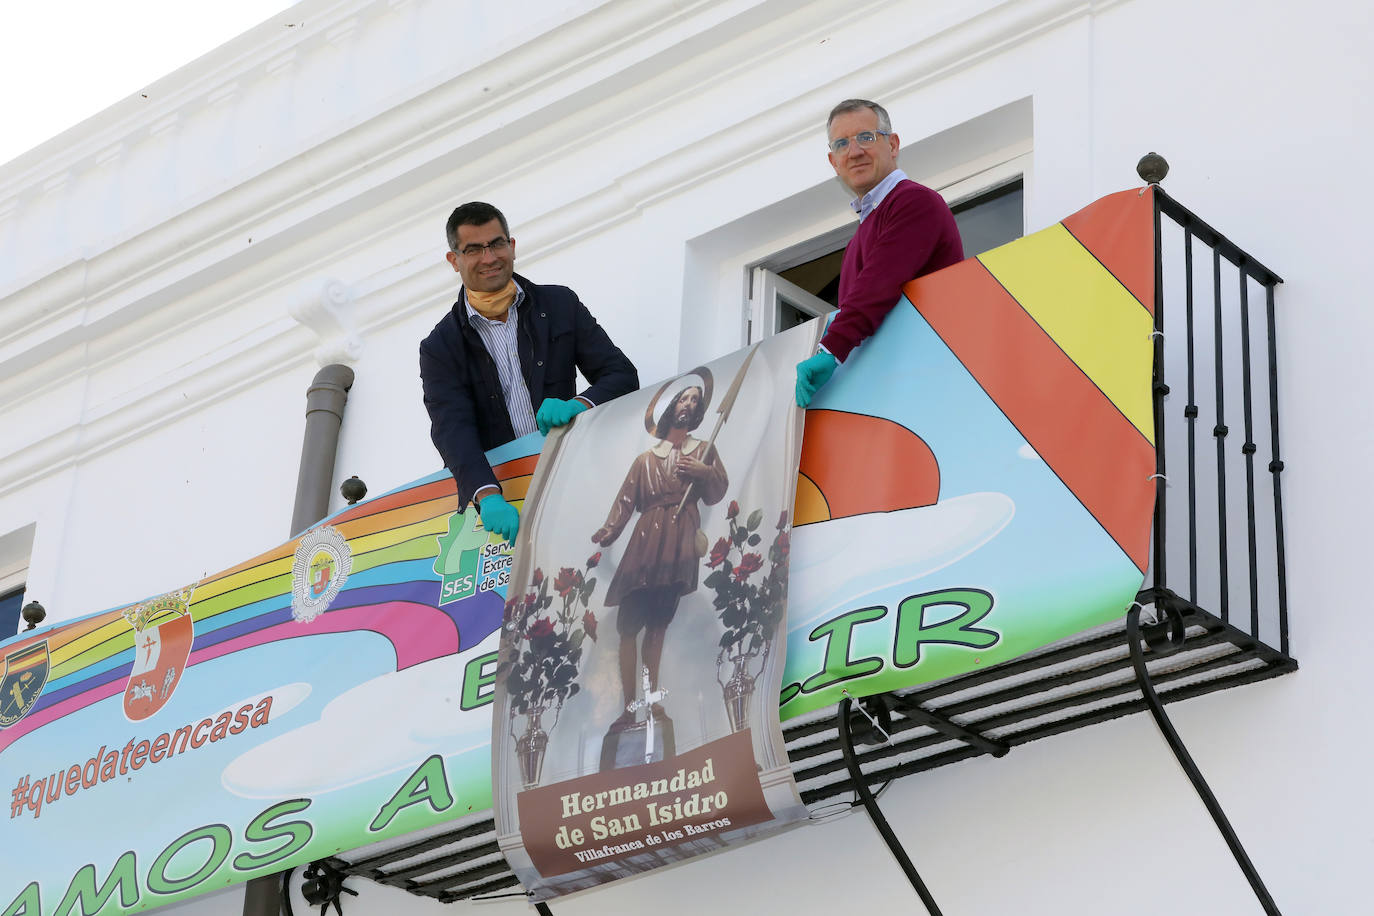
(554,412)
(499,516)
(812,373)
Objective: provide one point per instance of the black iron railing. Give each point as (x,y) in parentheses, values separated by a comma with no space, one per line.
(1207,289)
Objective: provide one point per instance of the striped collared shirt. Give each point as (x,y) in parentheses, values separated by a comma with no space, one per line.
(869,202)
(502,340)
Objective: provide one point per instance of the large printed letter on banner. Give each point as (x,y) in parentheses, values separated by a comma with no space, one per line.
(636,719)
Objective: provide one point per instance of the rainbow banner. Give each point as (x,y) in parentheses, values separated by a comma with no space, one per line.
(327,694)
(974,484)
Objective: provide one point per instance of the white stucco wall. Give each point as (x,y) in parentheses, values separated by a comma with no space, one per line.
(152,376)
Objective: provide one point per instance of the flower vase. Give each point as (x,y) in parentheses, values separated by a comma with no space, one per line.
(738,692)
(529,748)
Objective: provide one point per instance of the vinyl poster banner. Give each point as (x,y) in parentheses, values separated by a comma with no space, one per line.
(327,694)
(635,721)
(977,477)
(974,484)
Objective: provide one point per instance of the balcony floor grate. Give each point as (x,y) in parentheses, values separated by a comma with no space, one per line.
(1074,683)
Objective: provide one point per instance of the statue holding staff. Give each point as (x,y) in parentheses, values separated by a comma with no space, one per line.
(662,557)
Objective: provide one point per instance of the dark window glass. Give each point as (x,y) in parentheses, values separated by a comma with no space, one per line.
(819,277)
(992,218)
(10,603)
(789,316)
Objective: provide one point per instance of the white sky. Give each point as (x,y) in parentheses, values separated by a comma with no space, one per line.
(62,61)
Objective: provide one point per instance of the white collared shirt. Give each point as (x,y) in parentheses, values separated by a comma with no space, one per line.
(502,340)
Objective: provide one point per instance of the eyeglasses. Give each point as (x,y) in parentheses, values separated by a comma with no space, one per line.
(497,245)
(865,139)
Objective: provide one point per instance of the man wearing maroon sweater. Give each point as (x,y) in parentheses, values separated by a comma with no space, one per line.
(905,230)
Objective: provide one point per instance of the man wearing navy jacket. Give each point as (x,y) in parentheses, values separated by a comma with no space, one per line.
(506,347)
(906,230)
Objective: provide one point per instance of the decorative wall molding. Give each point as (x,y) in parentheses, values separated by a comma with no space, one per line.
(557,86)
(184,88)
(323,307)
(249,362)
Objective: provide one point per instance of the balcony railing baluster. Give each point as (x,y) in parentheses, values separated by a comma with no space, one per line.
(1190,416)
(1160,389)
(1248,449)
(1276,468)
(1219,433)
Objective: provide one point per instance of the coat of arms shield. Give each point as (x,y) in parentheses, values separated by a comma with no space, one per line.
(22,676)
(160,653)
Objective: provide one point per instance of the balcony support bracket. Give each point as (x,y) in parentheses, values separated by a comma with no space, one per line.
(875,814)
(1168,634)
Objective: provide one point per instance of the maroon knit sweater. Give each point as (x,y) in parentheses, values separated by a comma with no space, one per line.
(910,234)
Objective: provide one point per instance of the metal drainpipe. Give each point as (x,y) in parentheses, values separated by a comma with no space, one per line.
(324,408)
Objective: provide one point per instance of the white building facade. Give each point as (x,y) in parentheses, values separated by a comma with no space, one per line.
(174,271)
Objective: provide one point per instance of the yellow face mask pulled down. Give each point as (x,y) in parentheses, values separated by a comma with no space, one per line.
(492,306)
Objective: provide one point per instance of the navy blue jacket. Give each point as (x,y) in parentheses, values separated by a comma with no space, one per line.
(467,410)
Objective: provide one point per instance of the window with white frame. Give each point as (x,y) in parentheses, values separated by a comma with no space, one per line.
(803,282)
(764,270)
